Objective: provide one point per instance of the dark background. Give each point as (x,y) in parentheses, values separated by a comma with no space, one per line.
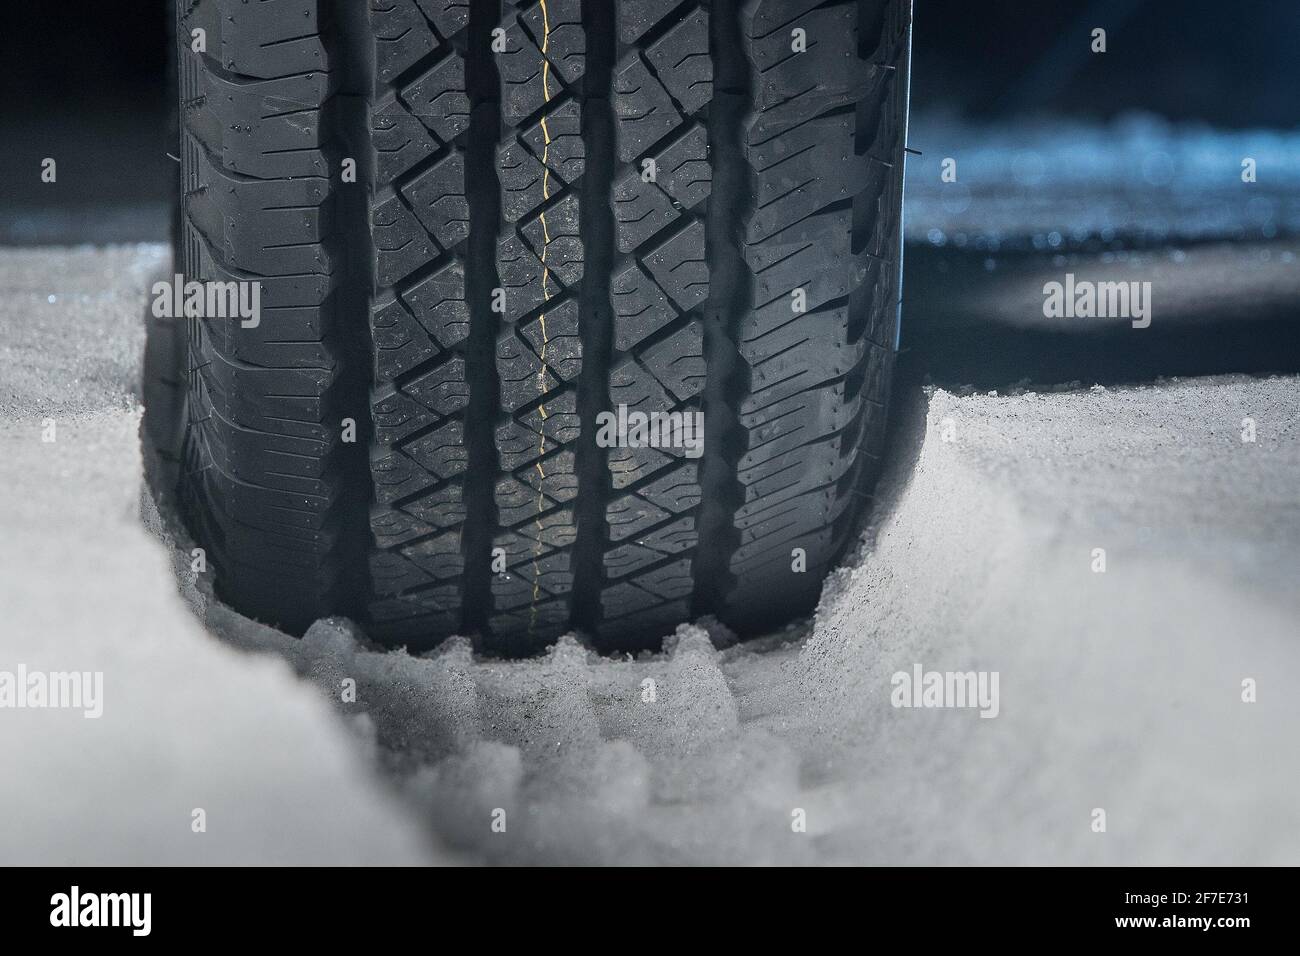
(84,82)
(1230,63)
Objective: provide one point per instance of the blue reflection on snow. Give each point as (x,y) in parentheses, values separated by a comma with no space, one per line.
(1139,179)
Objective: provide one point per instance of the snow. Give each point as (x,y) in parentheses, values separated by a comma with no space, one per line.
(187,722)
(1119,691)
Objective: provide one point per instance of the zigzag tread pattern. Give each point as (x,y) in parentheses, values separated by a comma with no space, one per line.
(539,351)
(267,480)
(662,86)
(419,317)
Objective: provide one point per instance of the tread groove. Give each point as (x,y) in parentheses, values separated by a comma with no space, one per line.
(728,302)
(595,311)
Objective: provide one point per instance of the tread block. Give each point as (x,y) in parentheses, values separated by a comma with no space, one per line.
(392,528)
(813,255)
(640,307)
(629,514)
(643,111)
(627,466)
(640,210)
(524,377)
(555,338)
(554,529)
(807,351)
(681,61)
(679,267)
(265,40)
(677,491)
(438,556)
(557,477)
(272,129)
(402,37)
(261,227)
(673,537)
(804,171)
(635,386)
(521,278)
(557,27)
(442,389)
(401,243)
(628,558)
(393,573)
(448,17)
(437,98)
(401,141)
(441,452)
(438,303)
(396,476)
(401,343)
(678,361)
(554,237)
(553,143)
(530,80)
(437,196)
(442,507)
(683,168)
(795,86)
(397,416)
(635,17)
(517,502)
(565,152)
(669,582)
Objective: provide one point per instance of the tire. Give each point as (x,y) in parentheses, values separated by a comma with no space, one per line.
(558,210)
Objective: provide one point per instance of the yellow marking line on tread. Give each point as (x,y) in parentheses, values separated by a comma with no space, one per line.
(546,297)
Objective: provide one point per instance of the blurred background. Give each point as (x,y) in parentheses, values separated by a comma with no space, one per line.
(1229,65)
(86,84)
(1065,158)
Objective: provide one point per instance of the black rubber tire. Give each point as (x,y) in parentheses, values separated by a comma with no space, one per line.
(558,208)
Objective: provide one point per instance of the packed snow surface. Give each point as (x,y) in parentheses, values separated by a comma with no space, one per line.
(1119,690)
